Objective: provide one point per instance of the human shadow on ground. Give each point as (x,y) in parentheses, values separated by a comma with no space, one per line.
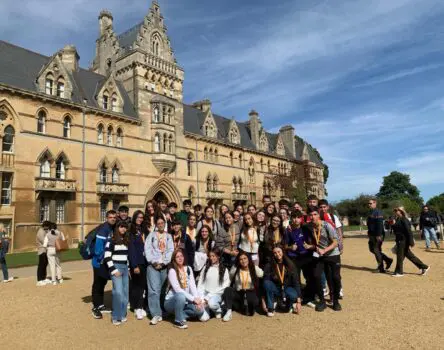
(368,269)
(436,251)
(108,297)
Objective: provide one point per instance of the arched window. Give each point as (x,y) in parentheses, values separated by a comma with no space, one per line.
(119,137)
(109,136)
(209,183)
(170,144)
(8,139)
(251,171)
(269,166)
(114,103)
(67,127)
(211,154)
(156,143)
(100,134)
(103,175)
(60,169)
(240,160)
(215,183)
(165,143)
(231,158)
(115,174)
(45,168)
(262,164)
(41,122)
(156,117)
(216,155)
(190,164)
(105,100)
(205,153)
(49,84)
(61,88)
(164,114)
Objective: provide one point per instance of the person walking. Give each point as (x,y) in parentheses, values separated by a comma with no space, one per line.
(41,253)
(375,236)
(4,247)
(427,224)
(53,255)
(404,240)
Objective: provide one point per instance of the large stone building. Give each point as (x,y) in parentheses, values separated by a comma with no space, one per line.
(120,133)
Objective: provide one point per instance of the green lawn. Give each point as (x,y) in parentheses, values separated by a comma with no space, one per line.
(354,228)
(31,259)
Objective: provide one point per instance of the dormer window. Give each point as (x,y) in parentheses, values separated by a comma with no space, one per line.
(60,89)
(49,84)
(114,103)
(210,128)
(105,101)
(234,136)
(280,148)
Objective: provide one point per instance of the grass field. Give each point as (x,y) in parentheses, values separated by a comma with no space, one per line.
(30,259)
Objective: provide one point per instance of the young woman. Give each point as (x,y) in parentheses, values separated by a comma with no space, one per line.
(42,254)
(284,217)
(249,239)
(137,263)
(182,300)
(228,239)
(204,244)
(209,220)
(252,209)
(404,240)
(273,236)
(53,255)
(237,217)
(116,260)
(213,281)
(150,217)
(222,210)
(4,246)
(191,230)
(281,282)
(270,211)
(240,209)
(159,248)
(243,295)
(182,241)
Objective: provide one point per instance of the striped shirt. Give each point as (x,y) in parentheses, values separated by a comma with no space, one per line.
(115,254)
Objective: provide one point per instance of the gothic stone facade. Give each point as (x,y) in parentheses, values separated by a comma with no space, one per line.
(119,133)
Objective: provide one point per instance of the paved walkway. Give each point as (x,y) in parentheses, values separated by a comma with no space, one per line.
(67,268)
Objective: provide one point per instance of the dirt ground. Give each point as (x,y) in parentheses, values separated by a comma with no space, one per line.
(379,312)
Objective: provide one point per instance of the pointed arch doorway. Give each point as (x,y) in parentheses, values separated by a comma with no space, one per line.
(164,189)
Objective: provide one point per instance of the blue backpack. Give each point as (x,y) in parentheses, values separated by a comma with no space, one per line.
(87,247)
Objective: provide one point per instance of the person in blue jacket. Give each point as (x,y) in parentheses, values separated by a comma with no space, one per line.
(100,272)
(4,246)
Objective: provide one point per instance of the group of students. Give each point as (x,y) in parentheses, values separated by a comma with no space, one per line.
(191,264)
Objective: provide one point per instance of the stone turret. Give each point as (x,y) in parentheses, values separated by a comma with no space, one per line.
(204,105)
(255,127)
(70,58)
(105,21)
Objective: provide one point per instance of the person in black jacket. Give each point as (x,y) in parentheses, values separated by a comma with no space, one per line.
(281,282)
(427,224)
(183,241)
(404,240)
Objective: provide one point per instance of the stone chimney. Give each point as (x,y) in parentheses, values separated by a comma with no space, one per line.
(204,105)
(287,136)
(255,127)
(70,58)
(105,21)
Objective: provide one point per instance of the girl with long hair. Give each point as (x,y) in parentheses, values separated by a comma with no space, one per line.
(270,211)
(116,260)
(53,255)
(150,217)
(190,229)
(228,239)
(249,238)
(210,220)
(404,240)
(243,296)
(274,236)
(281,283)
(183,241)
(204,244)
(183,299)
(137,264)
(213,281)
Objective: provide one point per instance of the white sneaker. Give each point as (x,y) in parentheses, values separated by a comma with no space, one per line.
(54,283)
(155,320)
(270,314)
(311,304)
(61,281)
(41,283)
(205,317)
(424,271)
(326,294)
(124,320)
(116,323)
(218,315)
(47,281)
(10,279)
(397,275)
(143,312)
(139,314)
(341,293)
(228,316)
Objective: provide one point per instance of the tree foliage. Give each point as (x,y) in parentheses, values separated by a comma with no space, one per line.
(293,184)
(397,186)
(437,203)
(354,209)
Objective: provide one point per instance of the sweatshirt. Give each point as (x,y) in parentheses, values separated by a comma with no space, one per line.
(152,252)
(39,239)
(104,232)
(375,223)
(403,231)
(210,286)
(244,243)
(51,237)
(237,281)
(190,291)
(115,254)
(290,277)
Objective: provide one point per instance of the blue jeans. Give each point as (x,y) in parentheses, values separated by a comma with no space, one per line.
(182,308)
(429,232)
(120,293)
(272,291)
(324,280)
(4,269)
(214,303)
(155,279)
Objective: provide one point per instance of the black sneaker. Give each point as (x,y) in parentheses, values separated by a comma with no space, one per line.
(104,310)
(180,325)
(388,264)
(321,306)
(97,314)
(337,306)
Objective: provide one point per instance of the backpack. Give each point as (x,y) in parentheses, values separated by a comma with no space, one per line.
(87,247)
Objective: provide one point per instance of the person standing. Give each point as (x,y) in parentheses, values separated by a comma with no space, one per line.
(159,248)
(41,252)
(249,239)
(427,223)
(404,240)
(4,247)
(184,214)
(183,241)
(375,236)
(100,272)
(123,214)
(53,255)
(228,240)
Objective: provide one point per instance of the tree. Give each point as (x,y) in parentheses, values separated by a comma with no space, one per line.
(397,185)
(437,203)
(355,208)
(292,184)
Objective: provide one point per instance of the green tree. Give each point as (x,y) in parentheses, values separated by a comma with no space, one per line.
(293,184)
(397,185)
(354,209)
(437,203)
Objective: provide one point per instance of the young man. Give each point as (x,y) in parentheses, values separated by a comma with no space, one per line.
(312,202)
(266,199)
(182,216)
(122,214)
(375,236)
(284,204)
(172,211)
(327,258)
(198,212)
(298,207)
(427,224)
(100,271)
(41,252)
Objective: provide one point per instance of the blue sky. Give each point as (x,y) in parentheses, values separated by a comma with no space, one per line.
(360,80)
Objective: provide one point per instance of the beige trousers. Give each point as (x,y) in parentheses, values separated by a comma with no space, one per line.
(54,264)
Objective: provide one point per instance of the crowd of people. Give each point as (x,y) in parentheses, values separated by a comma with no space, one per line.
(194,264)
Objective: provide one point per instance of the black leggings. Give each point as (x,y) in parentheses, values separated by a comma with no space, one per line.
(137,287)
(244,301)
(305,264)
(403,251)
(41,268)
(331,265)
(98,287)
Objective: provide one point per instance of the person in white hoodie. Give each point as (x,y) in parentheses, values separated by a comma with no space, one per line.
(213,281)
(53,255)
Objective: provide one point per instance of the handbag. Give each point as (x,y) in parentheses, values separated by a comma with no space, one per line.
(61,245)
